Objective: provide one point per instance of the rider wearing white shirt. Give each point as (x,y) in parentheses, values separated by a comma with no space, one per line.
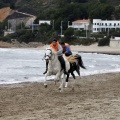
(58,48)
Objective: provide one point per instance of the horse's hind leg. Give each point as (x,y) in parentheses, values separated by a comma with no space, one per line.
(74,81)
(73,75)
(66,83)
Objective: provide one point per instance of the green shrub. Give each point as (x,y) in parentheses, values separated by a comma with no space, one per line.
(5,39)
(104,42)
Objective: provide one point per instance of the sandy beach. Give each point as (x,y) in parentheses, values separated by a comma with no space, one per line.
(96,97)
(94,48)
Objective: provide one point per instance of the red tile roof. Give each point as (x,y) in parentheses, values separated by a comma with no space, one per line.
(4,12)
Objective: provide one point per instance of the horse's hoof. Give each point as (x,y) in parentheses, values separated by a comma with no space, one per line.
(59,88)
(45,86)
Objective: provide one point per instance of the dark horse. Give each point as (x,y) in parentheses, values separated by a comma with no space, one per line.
(75,67)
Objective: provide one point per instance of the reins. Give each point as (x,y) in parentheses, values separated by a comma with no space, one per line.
(49,56)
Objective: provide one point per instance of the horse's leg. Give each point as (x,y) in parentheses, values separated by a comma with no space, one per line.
(45,84)
(73,75)
(74,81)
(61,84)
(57,77)
(66,83)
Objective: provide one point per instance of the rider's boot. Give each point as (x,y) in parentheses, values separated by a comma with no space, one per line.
(62,62)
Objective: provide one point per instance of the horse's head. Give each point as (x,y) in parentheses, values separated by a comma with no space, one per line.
(48,54)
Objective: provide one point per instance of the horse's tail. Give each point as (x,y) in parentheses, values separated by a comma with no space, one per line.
(80,62)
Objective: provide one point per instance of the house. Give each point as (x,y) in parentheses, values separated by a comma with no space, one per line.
(80,24)
(18,18)
(105,25)
(44,21)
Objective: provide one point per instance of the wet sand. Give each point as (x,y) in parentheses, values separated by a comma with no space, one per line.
(96,97)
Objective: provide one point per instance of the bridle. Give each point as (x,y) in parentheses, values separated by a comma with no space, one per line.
(50,57)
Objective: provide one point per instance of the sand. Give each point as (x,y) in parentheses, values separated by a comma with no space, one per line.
(94,48)
(96,97)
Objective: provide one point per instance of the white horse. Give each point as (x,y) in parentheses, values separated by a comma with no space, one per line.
(54,67)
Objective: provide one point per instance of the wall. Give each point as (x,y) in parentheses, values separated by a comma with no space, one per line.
(115,43)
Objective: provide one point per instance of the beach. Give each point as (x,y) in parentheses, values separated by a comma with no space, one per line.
(94,48)
(96,97)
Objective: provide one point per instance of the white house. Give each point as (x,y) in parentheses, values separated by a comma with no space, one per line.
(105,25)
(80,24)
(44,21)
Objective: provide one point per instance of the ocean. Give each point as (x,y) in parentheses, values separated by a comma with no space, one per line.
(26,65)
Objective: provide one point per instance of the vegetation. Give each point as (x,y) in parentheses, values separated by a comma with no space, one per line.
(104,42)
(62,10)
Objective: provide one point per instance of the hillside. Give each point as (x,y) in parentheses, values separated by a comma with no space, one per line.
(38,4)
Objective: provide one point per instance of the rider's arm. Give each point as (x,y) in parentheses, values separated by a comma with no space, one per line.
(60,50)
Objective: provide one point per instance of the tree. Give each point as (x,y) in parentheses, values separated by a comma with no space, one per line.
(101,11)
(103,1)
(68,34)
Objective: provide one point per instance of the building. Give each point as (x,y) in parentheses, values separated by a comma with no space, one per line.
(80,24)
(19,18)
(105,25)
(44,21)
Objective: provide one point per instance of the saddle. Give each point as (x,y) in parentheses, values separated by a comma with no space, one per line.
(72,58)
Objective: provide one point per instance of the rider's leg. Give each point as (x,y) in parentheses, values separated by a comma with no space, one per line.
(46,67)
(67,54)
(62,62)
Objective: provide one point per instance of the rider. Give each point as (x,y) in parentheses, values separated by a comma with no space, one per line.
(66,49)
(58,48)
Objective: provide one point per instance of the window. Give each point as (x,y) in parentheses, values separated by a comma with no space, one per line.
(114,24)
(97,23)
(110,24)
(106,24)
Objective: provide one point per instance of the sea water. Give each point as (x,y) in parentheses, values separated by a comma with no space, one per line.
(26,65)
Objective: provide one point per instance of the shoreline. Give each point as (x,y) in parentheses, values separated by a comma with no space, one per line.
(102,52)
(95,97)
(75,48)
